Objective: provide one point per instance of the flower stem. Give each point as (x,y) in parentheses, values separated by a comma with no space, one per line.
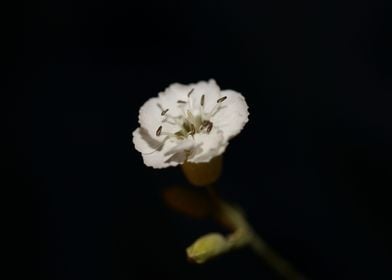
(279,264)
(235,219)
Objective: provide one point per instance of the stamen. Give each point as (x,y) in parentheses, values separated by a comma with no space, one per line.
(202,100)
(164,112)
(179,135)
(193,130)
(209,127)
(181,101)
(189,93)
(190,116)
(170,121)
(220,100)
(160,106)
(159,130)
(217,106)
(205,123)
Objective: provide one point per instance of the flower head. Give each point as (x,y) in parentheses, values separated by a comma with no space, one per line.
(189,123)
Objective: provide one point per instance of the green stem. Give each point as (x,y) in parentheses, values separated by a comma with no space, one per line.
(279,264)
(234,217)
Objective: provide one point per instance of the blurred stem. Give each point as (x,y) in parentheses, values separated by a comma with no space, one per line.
(234,218)
(280,265)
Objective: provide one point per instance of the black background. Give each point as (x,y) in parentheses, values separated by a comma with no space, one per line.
(311,169)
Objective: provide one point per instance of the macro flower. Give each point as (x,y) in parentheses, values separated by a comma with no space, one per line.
(192,123)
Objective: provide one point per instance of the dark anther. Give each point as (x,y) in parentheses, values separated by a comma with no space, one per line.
(220,100)
(209,127)
(159,130)
(193,130)
(204,123)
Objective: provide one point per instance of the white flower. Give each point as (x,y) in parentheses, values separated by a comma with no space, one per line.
(189,123)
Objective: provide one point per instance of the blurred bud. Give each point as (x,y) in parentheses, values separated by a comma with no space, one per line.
(188,201)
(207,247)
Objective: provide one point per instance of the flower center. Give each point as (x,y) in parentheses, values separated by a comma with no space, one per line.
(189,124)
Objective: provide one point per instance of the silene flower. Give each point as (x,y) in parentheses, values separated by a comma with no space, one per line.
(189,123)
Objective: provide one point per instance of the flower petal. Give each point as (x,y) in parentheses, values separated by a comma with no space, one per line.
(232,115)
(154,152)
(210,90)
(207,146)
(150,118)
(179,92)
(171,97)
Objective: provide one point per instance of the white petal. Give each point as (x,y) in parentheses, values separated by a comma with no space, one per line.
(210,90)
(181,146)
(179,152)
(170,97)
(232,115)
(144,143)
(208,146)
(154,153)
(150,118)
(175,92)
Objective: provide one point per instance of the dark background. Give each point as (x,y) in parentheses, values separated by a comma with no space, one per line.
(311,169)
